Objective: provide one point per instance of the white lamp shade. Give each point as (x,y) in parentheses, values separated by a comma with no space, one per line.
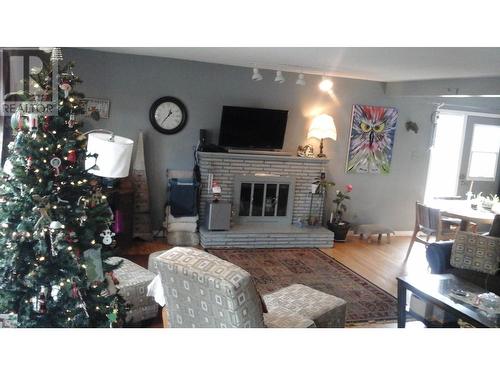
(322,127)
(113,156)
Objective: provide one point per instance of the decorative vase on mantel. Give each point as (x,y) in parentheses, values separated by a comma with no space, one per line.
(340,229)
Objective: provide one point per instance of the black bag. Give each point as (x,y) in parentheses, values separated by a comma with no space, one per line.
(183,193)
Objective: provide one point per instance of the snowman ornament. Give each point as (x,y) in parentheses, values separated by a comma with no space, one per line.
(107,237)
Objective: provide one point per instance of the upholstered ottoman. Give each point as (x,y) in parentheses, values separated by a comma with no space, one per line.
(325,310)
(280,317)
(369,229)
(132,286)
(152,263)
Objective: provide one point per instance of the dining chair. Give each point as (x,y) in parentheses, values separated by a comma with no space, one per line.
(430,223)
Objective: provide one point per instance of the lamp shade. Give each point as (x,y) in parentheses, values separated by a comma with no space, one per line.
(322,127)
(113,155)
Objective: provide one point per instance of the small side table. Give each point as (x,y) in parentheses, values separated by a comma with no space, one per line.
(371,229)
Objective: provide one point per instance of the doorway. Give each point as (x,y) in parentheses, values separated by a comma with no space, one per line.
(464,155)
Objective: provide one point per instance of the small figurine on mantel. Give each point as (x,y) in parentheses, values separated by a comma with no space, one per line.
(306,151)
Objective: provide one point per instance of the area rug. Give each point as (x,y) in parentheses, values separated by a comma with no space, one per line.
(273,269)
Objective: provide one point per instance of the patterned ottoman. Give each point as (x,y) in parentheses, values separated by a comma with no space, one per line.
(133,286)
(369,229)
(152,263)
(325,310)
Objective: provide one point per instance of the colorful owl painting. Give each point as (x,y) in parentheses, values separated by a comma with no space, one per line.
(372,139)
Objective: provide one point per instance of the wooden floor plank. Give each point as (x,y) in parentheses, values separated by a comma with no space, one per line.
(380,263)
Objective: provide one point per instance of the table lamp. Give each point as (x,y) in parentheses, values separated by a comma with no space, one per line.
(114,154)
(322,127)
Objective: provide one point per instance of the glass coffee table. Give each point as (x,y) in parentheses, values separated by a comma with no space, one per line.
(438,290)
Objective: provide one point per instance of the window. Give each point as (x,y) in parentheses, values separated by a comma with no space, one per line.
(446,154)
(484,153)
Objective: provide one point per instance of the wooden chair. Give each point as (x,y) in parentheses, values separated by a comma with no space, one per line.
(429,222)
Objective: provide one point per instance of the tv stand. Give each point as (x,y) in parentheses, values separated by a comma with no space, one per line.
(259,152)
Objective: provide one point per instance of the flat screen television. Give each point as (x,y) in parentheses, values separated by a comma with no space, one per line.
(252,128)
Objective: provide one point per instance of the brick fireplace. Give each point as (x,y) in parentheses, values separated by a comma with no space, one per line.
(270,195)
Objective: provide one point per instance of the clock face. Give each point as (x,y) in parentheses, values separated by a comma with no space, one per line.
(168,115)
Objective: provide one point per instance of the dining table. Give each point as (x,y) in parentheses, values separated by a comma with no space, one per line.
(462,209)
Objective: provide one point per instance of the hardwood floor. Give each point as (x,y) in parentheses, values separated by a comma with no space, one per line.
(380,263)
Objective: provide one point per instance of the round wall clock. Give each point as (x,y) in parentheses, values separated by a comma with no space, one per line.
(168,115)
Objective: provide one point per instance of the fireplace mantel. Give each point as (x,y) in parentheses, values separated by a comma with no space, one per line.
(229,156)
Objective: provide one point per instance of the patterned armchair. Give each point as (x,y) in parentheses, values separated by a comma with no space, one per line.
(202,290)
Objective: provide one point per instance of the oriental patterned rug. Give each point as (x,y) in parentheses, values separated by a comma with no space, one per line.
(273,269)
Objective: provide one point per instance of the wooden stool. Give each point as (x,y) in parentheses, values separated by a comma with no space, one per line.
(370,229)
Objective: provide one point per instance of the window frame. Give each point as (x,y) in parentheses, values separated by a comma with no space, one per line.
(472,151)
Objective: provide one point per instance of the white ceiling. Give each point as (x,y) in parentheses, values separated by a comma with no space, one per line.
(375,64)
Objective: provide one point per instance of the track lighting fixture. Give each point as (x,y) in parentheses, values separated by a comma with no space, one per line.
(256,76)
(300,80)
(326,84)
(279,77)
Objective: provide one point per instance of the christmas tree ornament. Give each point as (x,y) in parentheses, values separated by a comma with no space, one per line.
(46,122)
(39,302)
(82,219)
(83,306)
(54,238)
(33,123)
(55,162)
(42,209)
(72,121)
(112,317)
(54,292)
(66,87)
(63,201)
(16,120)
(18,142)
(107,237)
(29,163)
(71,236)
(96,198)
(8,168)
(75,293)
(74,290)
(71,157)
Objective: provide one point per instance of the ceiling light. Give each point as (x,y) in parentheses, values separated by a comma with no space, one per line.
(256,76)
(300,80)
(279,77)
(326,84)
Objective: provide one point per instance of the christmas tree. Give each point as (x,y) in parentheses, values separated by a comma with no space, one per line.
(54,218)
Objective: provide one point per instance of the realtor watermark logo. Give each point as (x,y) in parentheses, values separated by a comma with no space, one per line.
(27,85)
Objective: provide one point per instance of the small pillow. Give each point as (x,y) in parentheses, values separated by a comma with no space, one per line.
(475,252)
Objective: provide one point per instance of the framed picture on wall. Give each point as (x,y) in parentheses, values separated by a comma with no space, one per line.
(97,108)
(371,139)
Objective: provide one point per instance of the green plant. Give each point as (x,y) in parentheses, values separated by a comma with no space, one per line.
(341,208)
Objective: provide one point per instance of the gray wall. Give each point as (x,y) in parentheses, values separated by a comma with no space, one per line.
(132,83)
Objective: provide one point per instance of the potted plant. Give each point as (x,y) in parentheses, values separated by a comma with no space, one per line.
(337,224)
